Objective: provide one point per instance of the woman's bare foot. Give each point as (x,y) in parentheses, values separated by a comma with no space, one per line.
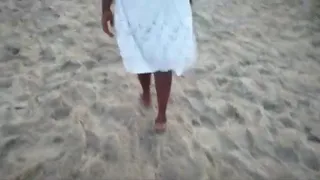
(160,125)
(145,100)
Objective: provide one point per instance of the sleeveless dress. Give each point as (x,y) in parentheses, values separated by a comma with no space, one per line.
(155,35)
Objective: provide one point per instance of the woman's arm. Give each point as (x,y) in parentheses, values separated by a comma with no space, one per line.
(106,5)
(107,16)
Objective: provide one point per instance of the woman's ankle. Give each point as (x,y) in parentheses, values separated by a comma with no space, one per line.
(162,118)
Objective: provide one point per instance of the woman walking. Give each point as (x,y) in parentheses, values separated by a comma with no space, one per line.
(154,37)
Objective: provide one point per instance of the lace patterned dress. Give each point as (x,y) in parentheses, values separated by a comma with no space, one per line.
(155,35)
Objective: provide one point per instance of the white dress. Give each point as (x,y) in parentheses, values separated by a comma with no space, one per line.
(155,35)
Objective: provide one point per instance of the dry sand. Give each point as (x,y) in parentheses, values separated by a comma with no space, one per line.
(249,110)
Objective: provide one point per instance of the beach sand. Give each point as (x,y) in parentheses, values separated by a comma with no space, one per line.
(248,110)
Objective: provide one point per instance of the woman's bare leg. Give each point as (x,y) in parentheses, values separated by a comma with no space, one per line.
(163,81)
(145,81)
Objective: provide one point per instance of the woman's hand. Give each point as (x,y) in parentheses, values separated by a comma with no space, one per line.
(107,16)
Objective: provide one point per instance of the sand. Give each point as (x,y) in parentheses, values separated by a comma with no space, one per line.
(248,110)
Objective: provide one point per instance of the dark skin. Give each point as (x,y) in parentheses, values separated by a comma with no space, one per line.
(107,16)
(163,80)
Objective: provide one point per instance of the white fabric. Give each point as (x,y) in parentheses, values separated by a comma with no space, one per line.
(155,35)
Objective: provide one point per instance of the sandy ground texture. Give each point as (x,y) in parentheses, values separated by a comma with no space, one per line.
(249,110)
